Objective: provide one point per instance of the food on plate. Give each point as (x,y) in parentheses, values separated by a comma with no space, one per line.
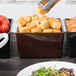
(4,24)
(36,24)
(52,72)
(71,25)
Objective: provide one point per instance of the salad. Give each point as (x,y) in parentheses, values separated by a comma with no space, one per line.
(52,72)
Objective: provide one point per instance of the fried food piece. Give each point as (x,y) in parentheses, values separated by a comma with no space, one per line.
(35,22)
(43,18)
(48,30)
(27,18)
(24,30)
(32,26)
(28,24)
(39,26)
(22,21)
(44,24)
(35,17)
(36,30)
(27,29)
(18,24)
(55,31)
(56,25)
(51,20)
(40,11)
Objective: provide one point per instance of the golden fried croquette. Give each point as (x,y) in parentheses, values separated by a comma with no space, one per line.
(44,24)
(24,30)
(56,25)
(28,24)
(22,21)
(55,31)
(36,30)
(32,26)
(35,22)
(27,18)
(48,30)
(51,20)
(40,11)
(35,17)
(43,18)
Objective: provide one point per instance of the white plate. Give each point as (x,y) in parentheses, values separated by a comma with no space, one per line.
(28,70)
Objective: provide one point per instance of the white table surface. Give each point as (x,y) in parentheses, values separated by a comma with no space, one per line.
(14,11)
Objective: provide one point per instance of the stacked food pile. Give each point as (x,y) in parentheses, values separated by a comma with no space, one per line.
(71,25)
(36,24)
